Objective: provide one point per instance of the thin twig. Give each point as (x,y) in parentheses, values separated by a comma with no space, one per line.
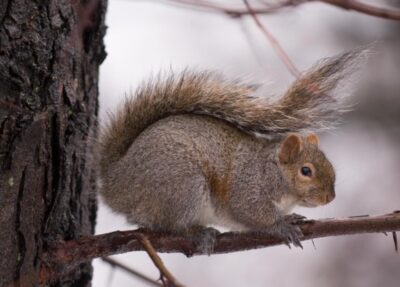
(231,11)
(158,262)
(313,244)
(381,12)
(275,44)
(395,241)
(357,6)
(387,13)
(131,271)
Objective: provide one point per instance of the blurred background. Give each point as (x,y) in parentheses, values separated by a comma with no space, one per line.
(145,37)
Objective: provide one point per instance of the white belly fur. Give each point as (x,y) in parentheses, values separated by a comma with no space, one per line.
(210,217)
(286,203)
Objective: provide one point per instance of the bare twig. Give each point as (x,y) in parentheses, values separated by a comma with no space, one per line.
(88,247)
(392,13)
(313,244)
(232,11)
(358,6)
(275,44)
(171,281)
(386,13)
(131,271)
(395,241)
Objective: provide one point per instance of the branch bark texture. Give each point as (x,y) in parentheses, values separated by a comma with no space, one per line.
(89,247)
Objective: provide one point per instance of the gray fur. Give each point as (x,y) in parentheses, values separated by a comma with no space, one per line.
(187,150)
(162,182)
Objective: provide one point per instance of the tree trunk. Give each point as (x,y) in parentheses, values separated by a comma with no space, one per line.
(50,52)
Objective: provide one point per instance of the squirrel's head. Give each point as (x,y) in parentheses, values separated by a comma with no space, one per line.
(308,172)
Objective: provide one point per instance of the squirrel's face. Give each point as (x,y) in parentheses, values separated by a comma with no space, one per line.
(309,173)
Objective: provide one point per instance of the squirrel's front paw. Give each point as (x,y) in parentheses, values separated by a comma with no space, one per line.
(289,233)
(294,218)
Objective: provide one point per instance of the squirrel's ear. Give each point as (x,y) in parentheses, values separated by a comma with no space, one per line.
(312,139)
(290,149)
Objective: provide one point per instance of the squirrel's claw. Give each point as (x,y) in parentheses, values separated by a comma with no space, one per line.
(294,218)
(289,233)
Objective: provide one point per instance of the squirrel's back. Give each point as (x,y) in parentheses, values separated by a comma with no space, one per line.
(309,104)
(184,153)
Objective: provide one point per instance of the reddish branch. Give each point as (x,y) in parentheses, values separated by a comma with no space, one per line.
(115,263)
(358,6)
(76,251)
(381,12)
(232,11)
(275,44)
(166,277)
(387,13)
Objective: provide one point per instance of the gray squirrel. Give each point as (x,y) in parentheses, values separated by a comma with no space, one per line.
(194,149)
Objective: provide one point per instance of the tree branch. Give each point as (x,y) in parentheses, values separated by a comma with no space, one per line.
(381,12)
(131,271)
(164,272)
(88,247)
(232,11)
(275,44)
(358,6)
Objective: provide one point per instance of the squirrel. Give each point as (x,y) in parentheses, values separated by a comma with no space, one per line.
(194,149)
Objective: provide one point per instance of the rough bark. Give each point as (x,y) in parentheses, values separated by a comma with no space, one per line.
(50,52)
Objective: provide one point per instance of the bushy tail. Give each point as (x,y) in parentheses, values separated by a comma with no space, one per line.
(309,104)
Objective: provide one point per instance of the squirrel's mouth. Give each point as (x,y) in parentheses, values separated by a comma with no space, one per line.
(305,203)
(316,201)
(313,202)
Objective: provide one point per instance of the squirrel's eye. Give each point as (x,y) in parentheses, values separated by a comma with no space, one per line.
(306,171)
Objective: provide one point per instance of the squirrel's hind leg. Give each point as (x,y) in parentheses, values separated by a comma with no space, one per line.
(181,215)
(171,206)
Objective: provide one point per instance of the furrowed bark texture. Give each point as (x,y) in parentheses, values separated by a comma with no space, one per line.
(50,52)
